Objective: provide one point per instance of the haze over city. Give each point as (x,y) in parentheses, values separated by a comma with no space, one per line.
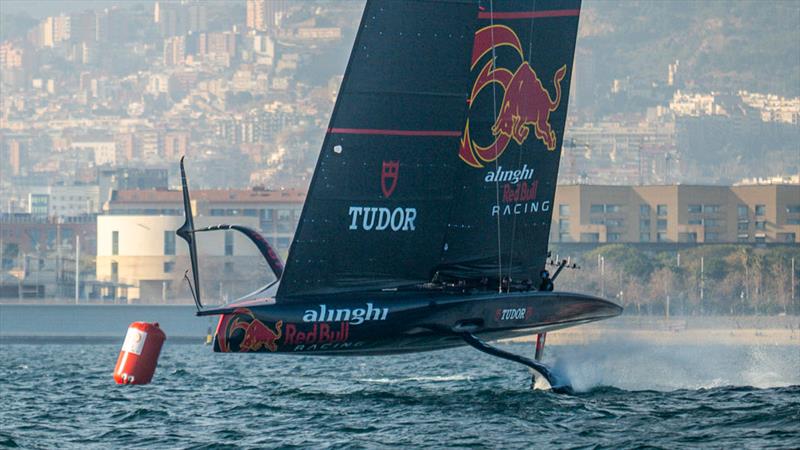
(399,223)
(101,99)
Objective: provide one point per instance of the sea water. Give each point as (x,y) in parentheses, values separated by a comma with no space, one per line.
(628,395)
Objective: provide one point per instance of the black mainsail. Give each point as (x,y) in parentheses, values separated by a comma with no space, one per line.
(442,153)
(521,68)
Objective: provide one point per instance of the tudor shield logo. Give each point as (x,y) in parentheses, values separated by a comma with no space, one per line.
(382,218)
(389,177)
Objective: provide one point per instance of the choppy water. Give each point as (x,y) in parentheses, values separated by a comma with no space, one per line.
(629,395)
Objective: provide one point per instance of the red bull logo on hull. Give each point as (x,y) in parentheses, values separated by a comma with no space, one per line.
(526,104)
(242,332)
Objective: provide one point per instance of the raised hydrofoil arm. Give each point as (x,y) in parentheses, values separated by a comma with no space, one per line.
(187,232)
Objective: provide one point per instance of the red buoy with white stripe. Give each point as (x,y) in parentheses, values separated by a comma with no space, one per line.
(139,355)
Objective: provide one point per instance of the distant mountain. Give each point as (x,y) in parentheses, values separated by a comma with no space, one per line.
(721,45)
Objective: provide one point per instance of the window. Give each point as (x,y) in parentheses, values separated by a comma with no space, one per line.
(743,237)
(661,236)
(228,267)
(712,223)
(644,237)
(615,222)
(644,224)
(115,242)
(761,225)
(712,237)
(590,237)
(613,237)
(661,210)
(711,209)
(742,226)
(761,239)
(267,220)
(604,208)
(114,270)
(563,225)
(169,266)
(563,210)
(644,211)
(793,209)
(251,212)
(661,225)
(283,243)
(695,221)
(688,237)
(597,221)
(564,237)
(228,243)
(695,209)
(761,210)
(741,211)
(792,221)
(169,243)
(216,212)
(284,221)
(786,237)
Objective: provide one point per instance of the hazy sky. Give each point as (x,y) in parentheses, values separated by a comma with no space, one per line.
(43,8)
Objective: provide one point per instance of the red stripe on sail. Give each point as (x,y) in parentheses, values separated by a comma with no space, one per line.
(529,14)
(395,132)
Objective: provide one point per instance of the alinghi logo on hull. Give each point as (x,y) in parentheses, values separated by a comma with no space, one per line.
(355,316)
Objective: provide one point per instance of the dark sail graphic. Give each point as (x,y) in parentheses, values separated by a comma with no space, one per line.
(376,209)
(511,144)
(441,157)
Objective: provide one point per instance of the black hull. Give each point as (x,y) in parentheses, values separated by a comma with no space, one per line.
(394,322)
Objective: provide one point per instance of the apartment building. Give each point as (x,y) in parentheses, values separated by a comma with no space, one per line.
(768,214)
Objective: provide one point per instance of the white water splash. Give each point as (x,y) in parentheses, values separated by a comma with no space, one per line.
(631,365)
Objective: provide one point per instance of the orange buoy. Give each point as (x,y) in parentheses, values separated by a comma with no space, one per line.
(137,359)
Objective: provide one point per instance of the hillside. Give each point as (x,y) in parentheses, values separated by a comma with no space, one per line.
(722,46)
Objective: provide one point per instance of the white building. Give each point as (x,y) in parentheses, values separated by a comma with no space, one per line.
(146,260)
(102,151)
(63,201)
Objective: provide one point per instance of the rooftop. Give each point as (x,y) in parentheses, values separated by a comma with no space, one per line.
(210,195)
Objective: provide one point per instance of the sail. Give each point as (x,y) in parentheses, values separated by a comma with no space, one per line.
(376,210)
(441,158)
(521,66)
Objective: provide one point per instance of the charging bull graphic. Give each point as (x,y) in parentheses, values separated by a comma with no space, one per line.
(526,104)
(251,334)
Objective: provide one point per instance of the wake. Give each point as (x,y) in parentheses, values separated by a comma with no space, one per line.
(638,366)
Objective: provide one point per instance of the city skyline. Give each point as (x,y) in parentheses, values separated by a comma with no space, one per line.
(104,98)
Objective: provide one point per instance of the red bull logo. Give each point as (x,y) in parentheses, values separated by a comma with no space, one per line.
(255,335)
(526,104)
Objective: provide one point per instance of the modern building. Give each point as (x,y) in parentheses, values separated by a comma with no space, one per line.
(276,212)
(140,259)
(763,214)
(263,15)
(52,200)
